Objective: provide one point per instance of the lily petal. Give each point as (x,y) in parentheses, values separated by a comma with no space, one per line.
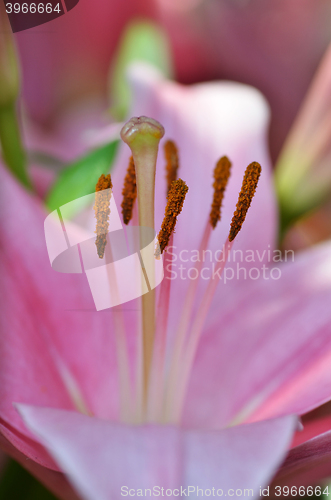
(101,457)
(311,429)
(307,464)
(54,345)
(274,357)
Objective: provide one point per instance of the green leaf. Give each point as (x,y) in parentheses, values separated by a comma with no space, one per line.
(80,178)
(13,153)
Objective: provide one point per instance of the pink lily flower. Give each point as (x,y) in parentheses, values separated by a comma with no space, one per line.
(263,355)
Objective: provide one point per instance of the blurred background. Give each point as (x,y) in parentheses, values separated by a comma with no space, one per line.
(275,45)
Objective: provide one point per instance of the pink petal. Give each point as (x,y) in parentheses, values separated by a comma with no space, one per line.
(269,353)
(307,464)
(311,429)
(50,329)
(100,457)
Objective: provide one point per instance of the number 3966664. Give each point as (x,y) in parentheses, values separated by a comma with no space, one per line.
(33,8)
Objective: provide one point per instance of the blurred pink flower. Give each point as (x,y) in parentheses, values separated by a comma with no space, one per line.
(264,354)
(274,45)
(69,58)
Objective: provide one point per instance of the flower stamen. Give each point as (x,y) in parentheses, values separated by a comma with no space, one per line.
(129,192)
(176,197)
(175,401)
(155,397)
(172,163)
(102,211)
(221,177)
(248,188)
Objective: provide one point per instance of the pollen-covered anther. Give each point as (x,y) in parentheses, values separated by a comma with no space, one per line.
(221,177)
(172,163)
(176,197)
(102,211)
(248,188)
(129,192)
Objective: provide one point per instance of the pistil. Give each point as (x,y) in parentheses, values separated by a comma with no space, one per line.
(143,136)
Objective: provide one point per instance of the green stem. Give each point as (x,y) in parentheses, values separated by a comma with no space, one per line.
(12,148)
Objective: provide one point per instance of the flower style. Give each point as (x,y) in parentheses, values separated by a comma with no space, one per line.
(263,355)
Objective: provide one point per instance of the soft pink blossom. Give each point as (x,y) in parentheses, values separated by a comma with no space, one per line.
(264,354)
